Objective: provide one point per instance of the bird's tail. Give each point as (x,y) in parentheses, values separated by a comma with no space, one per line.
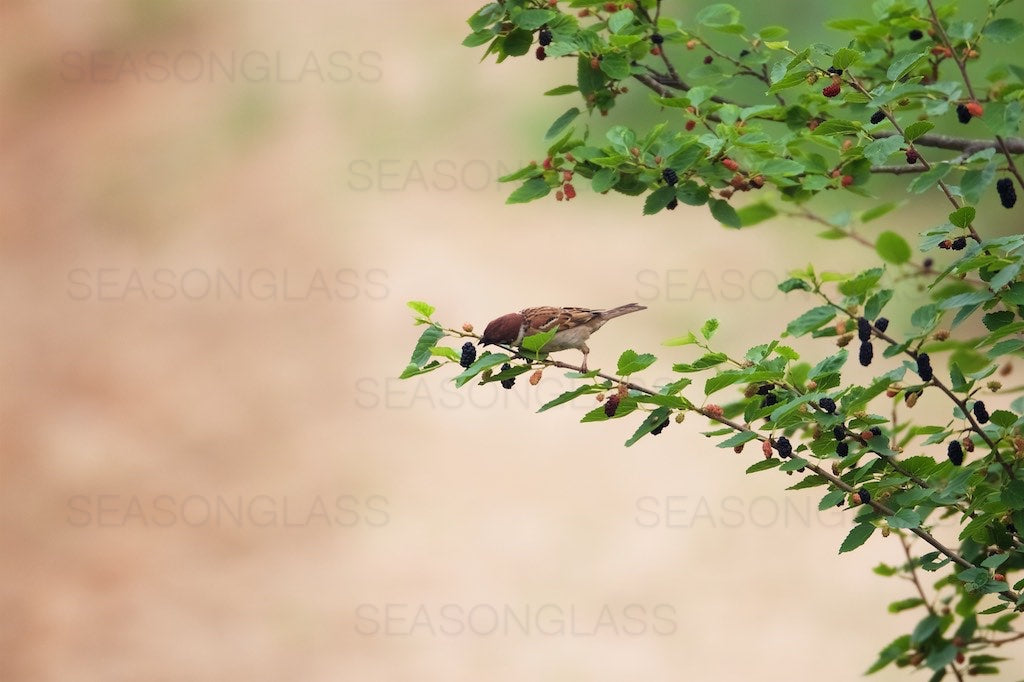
(622,310)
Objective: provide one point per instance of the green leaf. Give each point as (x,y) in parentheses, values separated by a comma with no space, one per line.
(832,363)
(973,578)
(837,126)
(517,43)
(588,79)
(877,302)
(974,182)
(925,628)
(862,283)
(917,129)
(752,214)
(536,342)
(904,63)
(963,216)
(881,149)
(630,362)
(738,438)
(893,651)
(424,309)
(996,560)
(858,535)
(659,199)
(615,65)
(905,604)
(485,361)
(570,395)
(620,20)
(561,123)
(1013,494)
(905,518)
(428,339)
(925,181)
(412,370)
(709,328)
(810,320)
(718,15)
(1003,418)
(724,213)
(604,180)
(878,211)
(531,190)
(965,299)
(653,420)
(562,90)
(844,56)
(892,248)
(531,19)
(478,38)
(789,80)
(762,465)
(686,340)
(1004,30)
(831,499)
(445,352)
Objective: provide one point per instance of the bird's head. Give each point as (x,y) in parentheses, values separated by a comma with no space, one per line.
(505,329)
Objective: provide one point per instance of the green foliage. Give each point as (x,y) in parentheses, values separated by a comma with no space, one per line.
(832,119)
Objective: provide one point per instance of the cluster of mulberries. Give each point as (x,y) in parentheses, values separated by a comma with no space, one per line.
(828,405)
(510,382)
(924,366)
(784,447)
(670,176)
(867,353)
(980,412)
(1007,194)
(878,116)
(468,354)
(955,452)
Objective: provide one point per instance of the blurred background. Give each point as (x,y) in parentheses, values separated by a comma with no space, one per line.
(213,214)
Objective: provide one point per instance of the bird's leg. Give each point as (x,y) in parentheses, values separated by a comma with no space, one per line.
(586,351)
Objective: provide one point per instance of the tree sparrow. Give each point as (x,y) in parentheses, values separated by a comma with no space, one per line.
(575,325)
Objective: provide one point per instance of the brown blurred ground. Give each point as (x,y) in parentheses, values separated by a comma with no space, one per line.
(209,469)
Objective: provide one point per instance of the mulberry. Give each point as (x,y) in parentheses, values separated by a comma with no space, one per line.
(670,176)
(863,329)
(510,382)
(959,244)
(828,405)
(672,204)
(839,432)
(882,323)
(659,428)
(541,54)
(924,366)
(468,354)
(915,34)
(878,116)
(657,38)
(912,156)
(831,90)
(784,447)
(980,412)
(867,353)
(544,36)
(611,405)
(842,449)
(1007,194)
(962,113)
(955,452)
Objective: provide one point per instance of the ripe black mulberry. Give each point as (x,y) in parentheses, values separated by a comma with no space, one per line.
(670,176)
(842,449)
(1007,194)
(878,116)
(882,323)
(510,382)
(657,38)
(468,354)
(544,36)
(863,329)
(828,405)
(659,428)
(784,447)
(962,113)
(915,34)
(955,452)
(867,353)
(924,366)
(980,412)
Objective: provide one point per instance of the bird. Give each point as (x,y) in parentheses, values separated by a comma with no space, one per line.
(575,325)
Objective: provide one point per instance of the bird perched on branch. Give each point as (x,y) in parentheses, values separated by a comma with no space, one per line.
(575,325)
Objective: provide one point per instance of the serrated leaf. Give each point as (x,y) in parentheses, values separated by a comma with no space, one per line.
(844,56)
(904,63)
(905,518)
(724,213)
(686,340)
(531,19)
(570,395)
(659,199)
(604,180)
(620,20)
(738,438)
(811,320)
(561,90)
(762,465)
(428,339)
(1003,30)
(963,216)
(837,126)
(881,149)
(483,362)
(917,129)
(631,362)
(536,342)
(755,213)
(878,211)
(709,328)
(857,536)
(531,190)
(425,310)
